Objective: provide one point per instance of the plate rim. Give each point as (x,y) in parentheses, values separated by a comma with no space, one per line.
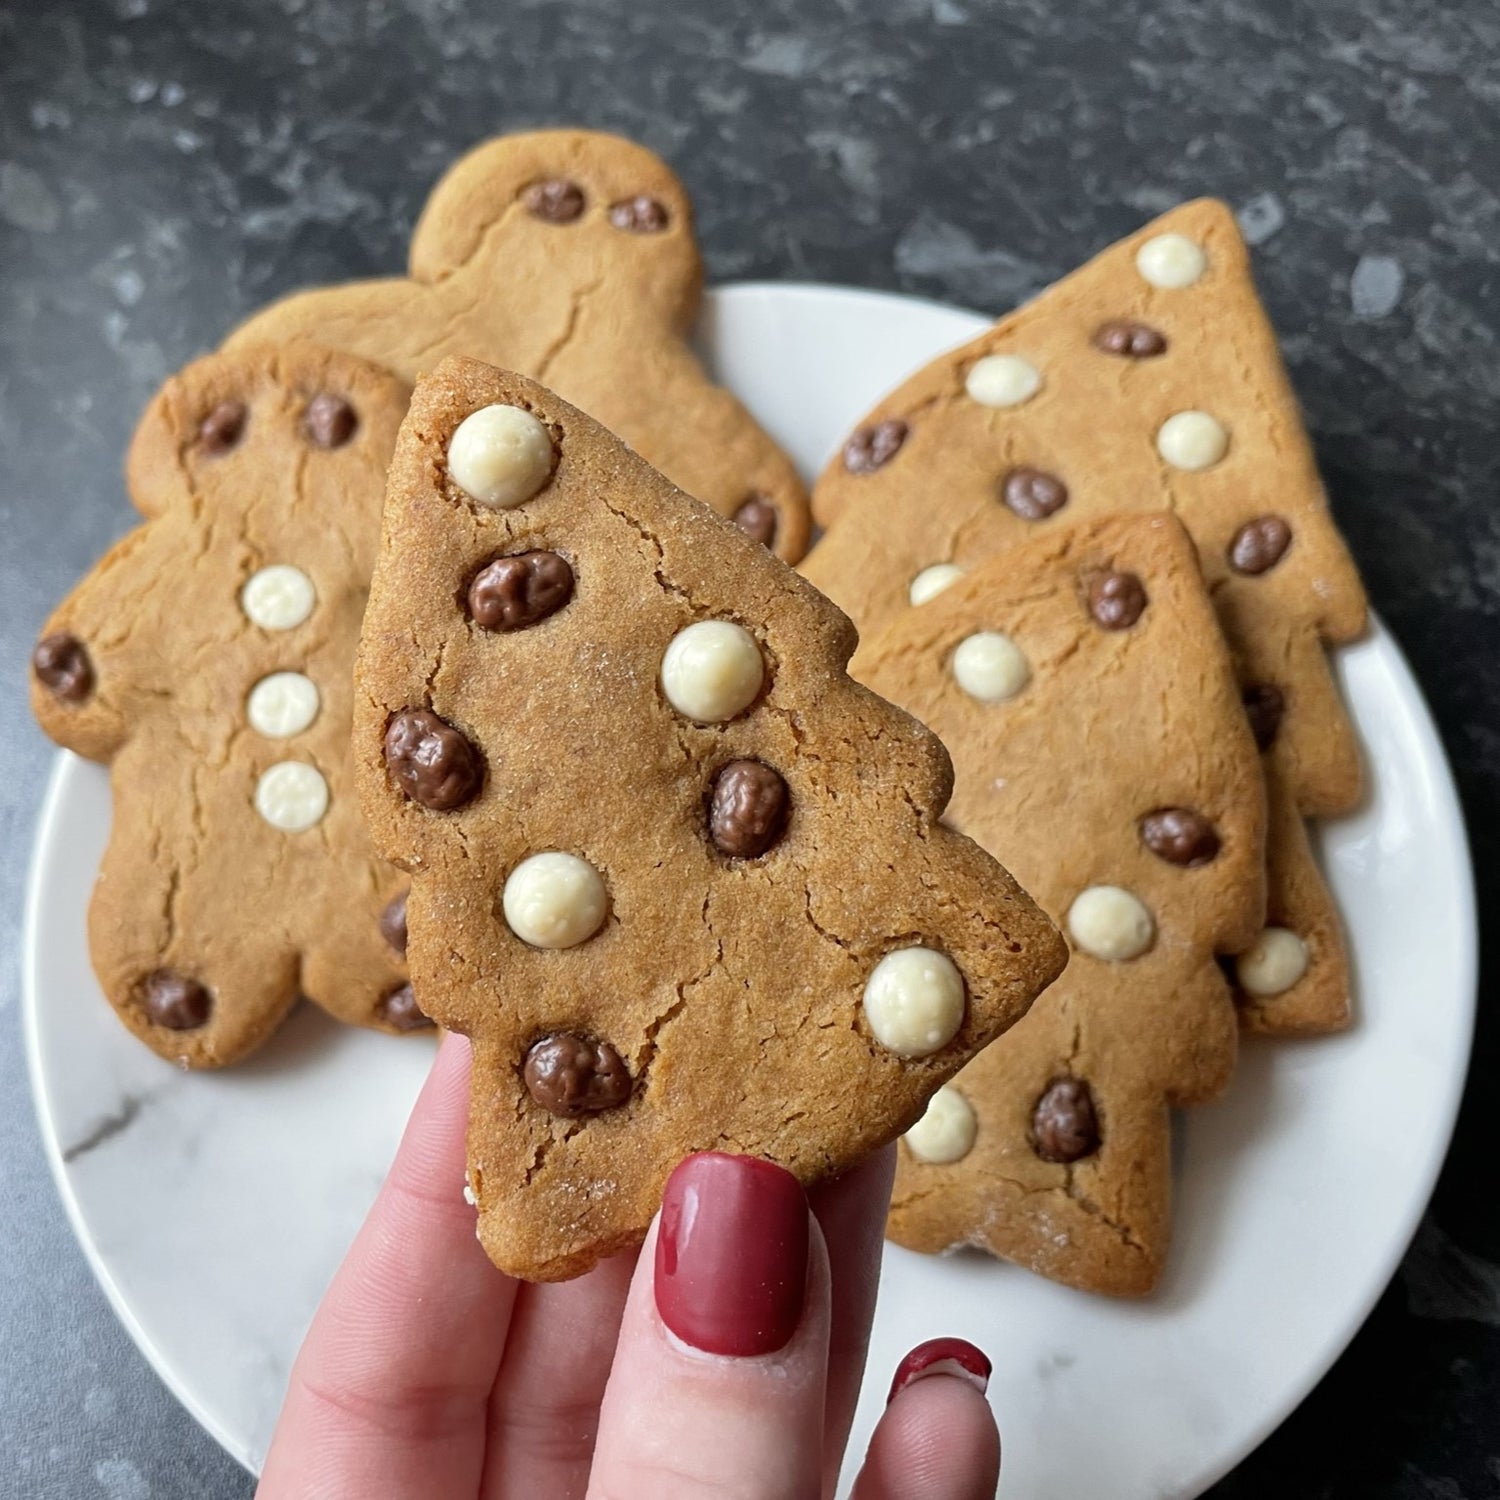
(1466,961)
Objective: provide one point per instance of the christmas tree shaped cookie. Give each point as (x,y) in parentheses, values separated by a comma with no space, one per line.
(569,255)
(207,658)
(1148,380)
(679,878)
(1100,751)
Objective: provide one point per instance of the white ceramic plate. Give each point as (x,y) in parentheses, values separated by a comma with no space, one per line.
(214,1208)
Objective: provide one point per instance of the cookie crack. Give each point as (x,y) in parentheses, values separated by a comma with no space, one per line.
(570,326)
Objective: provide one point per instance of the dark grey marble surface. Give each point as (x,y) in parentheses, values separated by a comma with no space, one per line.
(165,167)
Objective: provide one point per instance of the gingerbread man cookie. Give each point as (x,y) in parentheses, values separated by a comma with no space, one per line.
(568,255)
(679,878)
(207,658)
(1100,751)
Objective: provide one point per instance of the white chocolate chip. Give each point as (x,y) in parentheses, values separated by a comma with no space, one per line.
(1171,261)
(1273,963)
(554,900)
(1192,440)
(280,597)
(914,1001)
(712,670)
(946,1132)
(931,582)
(282,705)
(500,456)
(990,666)
(1111,923)
(1002,380)
(291,796)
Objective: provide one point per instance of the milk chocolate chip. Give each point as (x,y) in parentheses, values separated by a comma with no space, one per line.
(173,1000)
(570,1075)
(330,420)
(1116,600)
(757,519)
(430,761)
(222,428)
(1259,545)
(1265,704)
(873,447)
(1180,836)
(639,215)
(393,923)
(1129,340)
(514,592)
(400,1009)
(1033,494)
(61,663)
(747,811)
(555,200)
(1064,1126)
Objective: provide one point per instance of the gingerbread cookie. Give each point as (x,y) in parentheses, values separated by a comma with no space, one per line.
(1090,706)
(1148,380)
(207,659)
(679,878)
(568,255)
(1293,980)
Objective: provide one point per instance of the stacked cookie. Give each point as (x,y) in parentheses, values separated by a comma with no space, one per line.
(994,484)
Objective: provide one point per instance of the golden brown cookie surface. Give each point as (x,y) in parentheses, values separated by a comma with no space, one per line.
(207,658)
(1100,751)
(1149,379)
(569,255)
(677,876)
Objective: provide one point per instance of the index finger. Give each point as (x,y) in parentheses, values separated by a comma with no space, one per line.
(388,1394)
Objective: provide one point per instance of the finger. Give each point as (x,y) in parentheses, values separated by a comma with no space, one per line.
(852,1212)
(937,1439)
(388,1394)
(718,1382)
(544,1412)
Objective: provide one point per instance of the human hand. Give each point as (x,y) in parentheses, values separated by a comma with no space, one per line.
(724,1359)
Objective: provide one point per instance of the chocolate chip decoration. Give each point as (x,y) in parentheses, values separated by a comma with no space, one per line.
(570,1075)
(1116,599)
(393,923)
(1265,704)
(222,428)
(1033,494)
(639,215)
(1180,836)
(748,809)
(400,1009)
(1259,545)
(61,663)
(330,421)
(873,447)
(1129,340)
(1064,1126)
(430,761)
(511,593)
(554,200)
(173,1000)
(757,519)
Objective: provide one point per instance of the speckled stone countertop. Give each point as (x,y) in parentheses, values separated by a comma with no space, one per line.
(165,167)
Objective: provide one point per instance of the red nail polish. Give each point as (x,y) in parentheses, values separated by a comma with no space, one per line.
(731,1254)
(942,1357)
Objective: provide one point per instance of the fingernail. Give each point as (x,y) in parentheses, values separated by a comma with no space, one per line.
(942,1357)
(731,1254)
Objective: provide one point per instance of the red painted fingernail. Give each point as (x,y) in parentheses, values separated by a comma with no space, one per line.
(942,1357)
(731,1254)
